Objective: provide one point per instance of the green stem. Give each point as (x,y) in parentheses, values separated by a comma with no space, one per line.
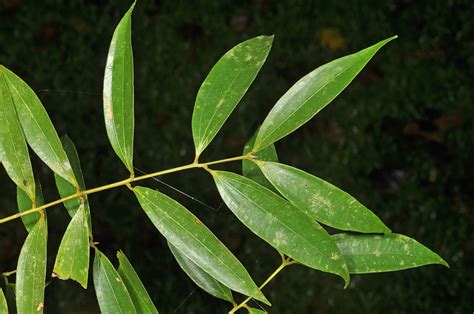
(120,183)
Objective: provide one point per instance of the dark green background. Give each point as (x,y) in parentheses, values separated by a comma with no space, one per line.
(400,138)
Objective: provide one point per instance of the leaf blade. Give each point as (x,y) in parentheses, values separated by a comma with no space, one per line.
(118,91)
(72,259)
(31,270)
(381,253)
(140,297)
(200,277)
(111,292)
(288,229)
(311,94)
(13,149)
(321,200)
(224,87)
(3,303)
(185,231)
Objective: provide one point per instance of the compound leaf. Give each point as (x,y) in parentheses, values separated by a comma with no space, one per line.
(200,277)
(279,223)
(224,87)
(381,253)
(189,235)
(13,149)
(31,270)
(140,297)
(311,94)
(72,260)
(250,169)
(110,289)
(24,203)
(322,200)
(65,188)
(37,127)
(118,91)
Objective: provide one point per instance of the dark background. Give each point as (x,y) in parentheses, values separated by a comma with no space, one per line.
(400,138)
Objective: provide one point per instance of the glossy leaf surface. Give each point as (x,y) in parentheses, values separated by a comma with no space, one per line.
(24,203)
(251,170)
(65,188)
(311,94)
(31,270)
(252,310)
(322,200)
(38,128)
(138,293)
(118,92)
(224,87)
(279,223)
(3,303)
(13,149)
(72,260)
(200,277)
(382,253)
(110,289)
(191,237)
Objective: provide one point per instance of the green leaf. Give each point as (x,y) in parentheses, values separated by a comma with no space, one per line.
(322,200)
(13,149)
(311,94)
(250,169)
(225,86)
(37,127)
(10,296)
(72,260)
(31,270)
(279,223)
(252,310)
(200,277)
(191,237)
(138,293)
(381,253)
(3,303)
(65,188)
(110,289)
(24,203)
(118,91)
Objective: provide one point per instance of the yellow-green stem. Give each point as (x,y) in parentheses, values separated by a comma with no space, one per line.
(120,183)
(285,262)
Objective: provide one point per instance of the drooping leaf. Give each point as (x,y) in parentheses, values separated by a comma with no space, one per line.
(138,293)
(72,260)
(224,87)
(191,237)
(200,277)
(279,223)
(251,170)
(118,92)
(252,310)
(31,270)
(65,188)
(13,149)
(110,289)
(3,303)
(322,200)
(311,94)
(37,127)
(382,253)
(24,203)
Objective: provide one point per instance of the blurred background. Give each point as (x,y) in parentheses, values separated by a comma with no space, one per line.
(400,138)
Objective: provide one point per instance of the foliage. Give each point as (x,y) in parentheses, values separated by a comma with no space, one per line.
(289,222)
